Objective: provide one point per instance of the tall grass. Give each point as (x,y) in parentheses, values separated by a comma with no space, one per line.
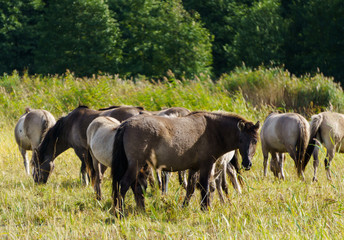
(64,209)
(61,94)
(278,88)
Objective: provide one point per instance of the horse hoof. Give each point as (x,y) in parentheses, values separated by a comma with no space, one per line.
(315,179)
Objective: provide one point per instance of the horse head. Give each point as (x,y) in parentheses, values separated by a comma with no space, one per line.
(248,138)
(42,167)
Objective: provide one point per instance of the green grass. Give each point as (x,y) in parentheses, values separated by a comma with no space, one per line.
(64,209)
(267,208)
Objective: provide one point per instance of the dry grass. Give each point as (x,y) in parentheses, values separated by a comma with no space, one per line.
(267,208)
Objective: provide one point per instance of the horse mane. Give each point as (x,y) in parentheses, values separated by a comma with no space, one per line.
(118,106)
(52,133)
(81,106)
(221,113)
(55,131)
(108,108)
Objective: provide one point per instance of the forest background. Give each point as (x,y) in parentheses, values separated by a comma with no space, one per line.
(151,37)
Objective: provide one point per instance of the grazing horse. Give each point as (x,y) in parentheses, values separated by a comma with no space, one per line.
(326,128)
(286,132)
(100,139)
(70,132)
(175,144)
(30,130)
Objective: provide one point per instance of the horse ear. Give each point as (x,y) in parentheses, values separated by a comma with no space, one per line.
(257,125)
(241,125)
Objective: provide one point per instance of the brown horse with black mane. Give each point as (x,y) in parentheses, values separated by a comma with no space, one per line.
(175,144)
(70,132)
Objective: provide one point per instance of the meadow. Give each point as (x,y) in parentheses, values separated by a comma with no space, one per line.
(268,208)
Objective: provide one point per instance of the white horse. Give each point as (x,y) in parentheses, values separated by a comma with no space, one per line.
(326,128)
(100,140)
(30,129)
(286,132)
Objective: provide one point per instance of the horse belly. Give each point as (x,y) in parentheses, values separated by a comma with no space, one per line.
(102,148)
(169,159)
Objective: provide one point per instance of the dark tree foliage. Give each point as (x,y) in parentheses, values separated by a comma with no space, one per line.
(222,18)
(315,40)
(260,35)
(79,35)
(18,34)
(159,36)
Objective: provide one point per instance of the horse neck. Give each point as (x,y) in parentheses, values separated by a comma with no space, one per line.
(226,132)
(53,145)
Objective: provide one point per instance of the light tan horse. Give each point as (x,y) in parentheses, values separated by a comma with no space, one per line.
(326,128)
(175,144)
(286,132)
(30,130)
(100,139)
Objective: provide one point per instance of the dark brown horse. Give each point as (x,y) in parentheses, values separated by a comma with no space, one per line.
(70,132)
(175,144)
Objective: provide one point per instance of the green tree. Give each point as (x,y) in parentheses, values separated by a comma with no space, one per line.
(18,34)
(260,36)
(222,18)
(79,35)
(159,36)
(315,37)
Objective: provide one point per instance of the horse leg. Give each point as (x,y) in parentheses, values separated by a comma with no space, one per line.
(129,179)
(139,187)
(81,153)
(190,189)
(298,165)
(273,163)
(100,169)
(330,154)
(280,163)
(315,162)
(182,179)
(224,183)
(265,162)
(164,181)
(233,177)
(204,182)
(219,185)
(26,160)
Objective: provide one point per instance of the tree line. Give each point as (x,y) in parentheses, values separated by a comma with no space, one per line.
(188,37)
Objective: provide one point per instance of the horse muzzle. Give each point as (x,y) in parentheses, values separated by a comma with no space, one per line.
(247,166)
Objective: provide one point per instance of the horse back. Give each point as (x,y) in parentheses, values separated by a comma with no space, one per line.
(331,128)
(168,142)
(280,130)
(36,123)
(100,138)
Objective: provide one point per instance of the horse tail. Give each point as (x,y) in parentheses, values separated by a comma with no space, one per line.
(314,129)
(119,162)
(302,143)
(89,166)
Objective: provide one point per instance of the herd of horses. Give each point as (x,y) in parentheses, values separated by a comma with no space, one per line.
(203,147)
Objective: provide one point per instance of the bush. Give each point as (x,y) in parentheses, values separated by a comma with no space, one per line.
(278,88)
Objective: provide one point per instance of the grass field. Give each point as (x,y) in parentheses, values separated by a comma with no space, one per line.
(65,209)
(267,208)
